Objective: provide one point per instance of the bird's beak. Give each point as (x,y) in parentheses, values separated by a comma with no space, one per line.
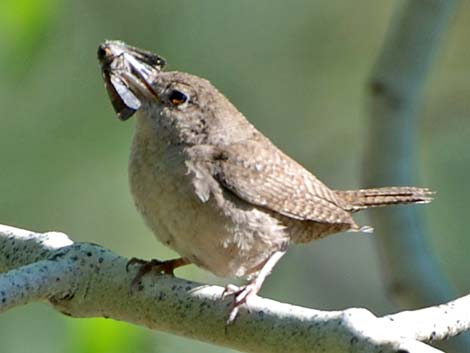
(128,74)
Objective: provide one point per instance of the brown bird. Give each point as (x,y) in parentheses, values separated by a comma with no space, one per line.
(210,185)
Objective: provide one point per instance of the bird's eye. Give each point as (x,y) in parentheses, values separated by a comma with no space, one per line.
(177,97)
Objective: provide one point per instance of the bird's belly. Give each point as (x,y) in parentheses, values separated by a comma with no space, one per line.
(203,232)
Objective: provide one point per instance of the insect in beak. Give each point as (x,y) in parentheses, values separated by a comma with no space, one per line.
(127,74)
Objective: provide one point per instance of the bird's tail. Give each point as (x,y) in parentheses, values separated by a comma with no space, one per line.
(357,200)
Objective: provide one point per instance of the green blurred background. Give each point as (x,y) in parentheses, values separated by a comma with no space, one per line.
(297,70)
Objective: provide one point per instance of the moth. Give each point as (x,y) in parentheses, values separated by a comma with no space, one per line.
(126,61)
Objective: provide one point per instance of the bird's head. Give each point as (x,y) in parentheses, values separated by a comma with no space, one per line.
(184,104)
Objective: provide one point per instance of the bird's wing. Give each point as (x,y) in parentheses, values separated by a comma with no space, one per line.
(266,177)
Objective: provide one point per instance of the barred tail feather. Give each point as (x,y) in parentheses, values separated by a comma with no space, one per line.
(357,200)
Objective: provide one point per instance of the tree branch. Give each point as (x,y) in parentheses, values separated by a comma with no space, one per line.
(87,280)
(396,85)
(412,274)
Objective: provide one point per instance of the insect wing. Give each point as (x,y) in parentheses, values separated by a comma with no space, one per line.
(124,102)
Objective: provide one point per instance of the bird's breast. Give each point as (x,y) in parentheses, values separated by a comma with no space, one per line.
(225,237)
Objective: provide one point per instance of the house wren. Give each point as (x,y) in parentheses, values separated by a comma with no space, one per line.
(212,187)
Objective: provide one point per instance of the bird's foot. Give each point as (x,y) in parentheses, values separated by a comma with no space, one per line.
(162,267)
(243,294)
(240,295)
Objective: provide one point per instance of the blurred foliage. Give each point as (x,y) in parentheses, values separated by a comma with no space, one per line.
(24,25)
(296,69)
(107,336)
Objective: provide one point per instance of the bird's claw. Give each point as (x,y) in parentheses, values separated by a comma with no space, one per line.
(241,295)
(162,267)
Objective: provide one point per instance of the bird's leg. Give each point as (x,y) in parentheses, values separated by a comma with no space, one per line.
(243,294)
(166,267)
